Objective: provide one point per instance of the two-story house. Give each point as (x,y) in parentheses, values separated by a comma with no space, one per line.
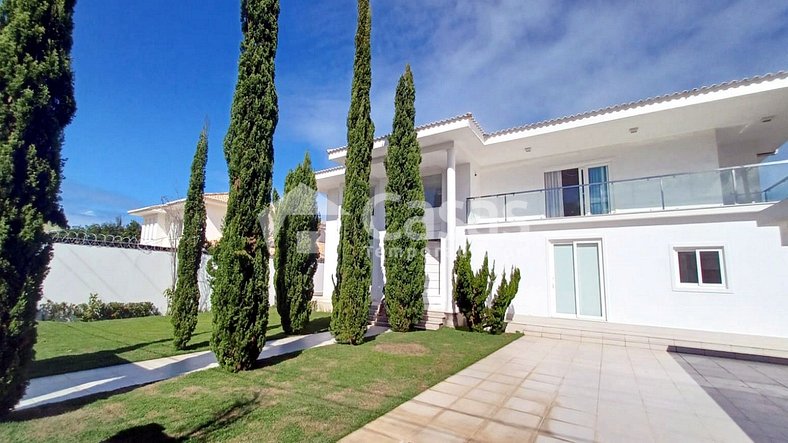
(162,224)
(666,212)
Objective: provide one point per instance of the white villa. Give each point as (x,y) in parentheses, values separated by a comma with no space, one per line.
(162,224)
(666,212)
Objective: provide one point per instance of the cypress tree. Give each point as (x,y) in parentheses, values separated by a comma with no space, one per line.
(36,104)
(186,297)
(351,300)
(240,285)
(295,259)
(405,239)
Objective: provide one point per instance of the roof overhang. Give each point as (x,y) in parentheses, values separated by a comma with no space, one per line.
(739,105)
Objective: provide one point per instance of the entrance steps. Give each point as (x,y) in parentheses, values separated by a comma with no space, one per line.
(716,344)
(379,317)
(432,320)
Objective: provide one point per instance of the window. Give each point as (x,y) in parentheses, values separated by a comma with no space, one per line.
(433,190)
(576,191)
(700,267)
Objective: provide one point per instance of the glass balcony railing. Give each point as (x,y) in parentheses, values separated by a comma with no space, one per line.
(762,183)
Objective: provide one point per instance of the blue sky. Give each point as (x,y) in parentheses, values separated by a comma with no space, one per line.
(149,72)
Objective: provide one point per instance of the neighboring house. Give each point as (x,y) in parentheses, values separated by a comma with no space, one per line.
(162,224)
(662,212)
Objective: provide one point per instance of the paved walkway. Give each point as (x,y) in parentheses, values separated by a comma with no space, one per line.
(546,390)
(57,388)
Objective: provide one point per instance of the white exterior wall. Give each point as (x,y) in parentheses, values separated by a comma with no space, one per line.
(333,205)
(214,221)
(697,152)
(156,226)
(639,274)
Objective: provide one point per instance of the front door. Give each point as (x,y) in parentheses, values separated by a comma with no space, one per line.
(432,269)
(578,283)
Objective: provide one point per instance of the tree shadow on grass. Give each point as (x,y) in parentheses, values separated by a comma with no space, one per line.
(150,433)
(155,432)
(63,407)
(316,325)
(91,360)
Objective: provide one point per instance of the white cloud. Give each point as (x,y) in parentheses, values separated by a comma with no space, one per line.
(512,62)
(87,204)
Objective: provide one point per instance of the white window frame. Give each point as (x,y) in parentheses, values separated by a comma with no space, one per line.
(599,241)
(678,285)
(582,169)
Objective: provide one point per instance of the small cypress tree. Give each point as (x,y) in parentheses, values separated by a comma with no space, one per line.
(352,297)
(186,297)
(405,231)
(471,290)
(495,315)
(240,285)
(36,104)
(295,259)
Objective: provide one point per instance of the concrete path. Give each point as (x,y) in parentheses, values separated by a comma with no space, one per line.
(57,388)
(547,390)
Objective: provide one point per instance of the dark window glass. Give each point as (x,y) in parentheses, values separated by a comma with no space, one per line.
(570,179)
(710,269)
(688,267)
(433,190)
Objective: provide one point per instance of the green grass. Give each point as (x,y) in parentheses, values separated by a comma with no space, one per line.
(73,346)
(320,394)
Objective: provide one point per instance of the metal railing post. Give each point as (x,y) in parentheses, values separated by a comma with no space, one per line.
(735,194)
(662,193)
(505,212)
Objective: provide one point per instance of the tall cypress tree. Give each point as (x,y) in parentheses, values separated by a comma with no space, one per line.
(295,259)
(352,298)
(240,285)
(186,297)
(36,104)
(405,231)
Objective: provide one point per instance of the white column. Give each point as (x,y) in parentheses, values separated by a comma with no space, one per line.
(451,225)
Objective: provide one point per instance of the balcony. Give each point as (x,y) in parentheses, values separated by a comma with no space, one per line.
(741,185)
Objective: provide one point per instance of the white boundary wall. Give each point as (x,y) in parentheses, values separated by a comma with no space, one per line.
(115,274)
(124,275)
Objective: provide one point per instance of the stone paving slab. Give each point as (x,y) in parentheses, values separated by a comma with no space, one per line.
(539,389)
(57,388)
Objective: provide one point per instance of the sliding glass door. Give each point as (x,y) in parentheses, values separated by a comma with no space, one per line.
(577,273)
(576,191)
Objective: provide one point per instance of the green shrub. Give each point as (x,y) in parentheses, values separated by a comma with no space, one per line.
(53,311)
(471,290)
(495,315)
(94,309)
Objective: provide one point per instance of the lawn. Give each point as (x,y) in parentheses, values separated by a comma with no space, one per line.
(73,346)
(320,394)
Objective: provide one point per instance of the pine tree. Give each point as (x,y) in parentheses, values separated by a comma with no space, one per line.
(186,297)
(240,285)
(295,258)
(36,104)
(405,231)
(354,267)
